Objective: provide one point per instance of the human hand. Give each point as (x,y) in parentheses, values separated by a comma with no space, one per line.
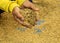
(18,17)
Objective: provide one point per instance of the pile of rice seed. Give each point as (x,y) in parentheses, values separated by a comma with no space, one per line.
(29,16)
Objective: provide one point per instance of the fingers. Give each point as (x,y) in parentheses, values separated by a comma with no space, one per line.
(32,6)
(22,23)
(17,13)
(18,20)
(28,4)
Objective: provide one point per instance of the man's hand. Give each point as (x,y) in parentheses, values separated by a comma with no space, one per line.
(18,16)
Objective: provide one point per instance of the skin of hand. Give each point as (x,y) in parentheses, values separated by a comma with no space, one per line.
(18,16)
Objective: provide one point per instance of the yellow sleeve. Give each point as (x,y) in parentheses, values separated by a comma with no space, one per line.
(7,5)
(20,2)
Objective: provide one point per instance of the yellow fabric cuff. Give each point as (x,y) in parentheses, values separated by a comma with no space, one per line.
(12,5)
(20,2)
